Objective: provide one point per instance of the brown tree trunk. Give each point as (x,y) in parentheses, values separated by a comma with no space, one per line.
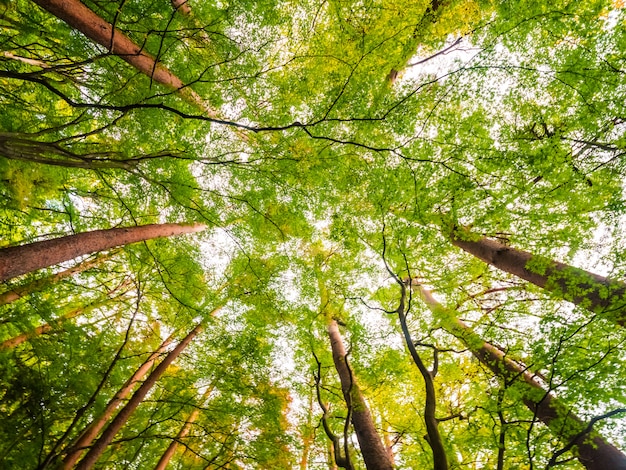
(591,291)
(88,435)
(120,419)
(18,260)
(78,16)
(169,453)
(34,286)
(591,449)
(370,443)
(182,7)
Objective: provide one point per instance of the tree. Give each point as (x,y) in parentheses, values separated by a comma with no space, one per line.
(592,450)
(18,260)
(109,433)
(316,139)
(374,453)
(88,435)
(593,292)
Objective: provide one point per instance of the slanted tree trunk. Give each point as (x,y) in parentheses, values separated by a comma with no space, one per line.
(78,16)
(34,286)
(593,451)
(120,419)
(182,7)
(18,260)
(54,324)
(169,453)
(591,291)
(88,435)
(370,443)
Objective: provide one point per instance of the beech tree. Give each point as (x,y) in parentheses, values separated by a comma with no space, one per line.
(307,151)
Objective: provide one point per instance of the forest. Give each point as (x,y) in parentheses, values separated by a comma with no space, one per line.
(314,234)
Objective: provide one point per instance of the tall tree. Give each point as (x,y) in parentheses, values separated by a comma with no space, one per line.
(593,451)
(591,291)
(171,449)
(370,443)
(21,291)
(122,416)
(88,435)
(18,260)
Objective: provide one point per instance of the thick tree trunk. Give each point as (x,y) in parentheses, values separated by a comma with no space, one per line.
(370,443)
(18,260)
(591,449)
(120,419)
(88,435)
(591,291)
(169,453)
(34,286)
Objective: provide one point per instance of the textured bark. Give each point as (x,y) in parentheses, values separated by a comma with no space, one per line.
(18,260)
(594,452)
(591,291)
(34,286)
(88,435)
(78,16)
(120,419)
(370,443)
(171,449)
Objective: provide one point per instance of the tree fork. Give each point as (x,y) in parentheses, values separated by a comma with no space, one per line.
(591,449)
(596,293)
(18,260)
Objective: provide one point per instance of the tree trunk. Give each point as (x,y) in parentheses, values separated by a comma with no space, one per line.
(169,453)
(370,443)
(182,7)
(109,433)
(34,286)
(591,291)
(78,16)
(47,327)
(591,449)
(440,459)
(88,435)
(18,260)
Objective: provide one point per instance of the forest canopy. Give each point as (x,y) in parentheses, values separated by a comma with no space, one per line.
(312,234)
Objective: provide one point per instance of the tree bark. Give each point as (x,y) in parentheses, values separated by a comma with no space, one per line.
(370,443)
(593,451)
(591,291)
(120,419)
(34,286)
(88,435)
(18,260)
(169,453)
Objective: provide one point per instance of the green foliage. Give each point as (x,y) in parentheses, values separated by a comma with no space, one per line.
(318,176)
